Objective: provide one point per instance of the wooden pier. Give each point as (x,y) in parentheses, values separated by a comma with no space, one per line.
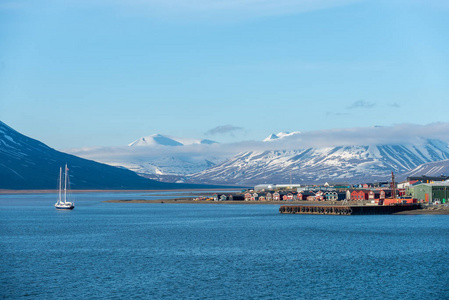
(346,210)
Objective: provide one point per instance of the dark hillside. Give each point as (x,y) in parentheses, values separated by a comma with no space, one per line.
(26,163)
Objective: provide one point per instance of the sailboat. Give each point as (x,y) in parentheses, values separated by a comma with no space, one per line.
(62,202)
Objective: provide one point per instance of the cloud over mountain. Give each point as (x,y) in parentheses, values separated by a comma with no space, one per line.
(196,157)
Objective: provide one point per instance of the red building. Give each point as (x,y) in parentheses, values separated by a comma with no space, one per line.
(358,195)
(247,196)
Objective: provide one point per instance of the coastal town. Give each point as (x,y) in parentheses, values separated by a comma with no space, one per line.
(418,189)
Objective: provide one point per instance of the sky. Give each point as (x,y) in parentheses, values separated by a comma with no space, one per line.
(103,73)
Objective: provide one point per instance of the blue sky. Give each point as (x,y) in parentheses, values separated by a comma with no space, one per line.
(104,73)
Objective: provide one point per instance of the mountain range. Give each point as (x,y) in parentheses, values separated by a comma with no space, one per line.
(434,168)
(26,163)
(328,164)
(278,160)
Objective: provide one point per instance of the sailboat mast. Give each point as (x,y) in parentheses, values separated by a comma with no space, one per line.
(65,184)
(60,184)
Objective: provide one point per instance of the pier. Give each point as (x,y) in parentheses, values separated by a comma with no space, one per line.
(346,210)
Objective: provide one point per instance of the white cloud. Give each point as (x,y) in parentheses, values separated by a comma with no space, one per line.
(362,104)
(397,134)
(224,129)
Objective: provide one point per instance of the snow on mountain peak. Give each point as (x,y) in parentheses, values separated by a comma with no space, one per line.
(271,137)
(280,135)
(162,140)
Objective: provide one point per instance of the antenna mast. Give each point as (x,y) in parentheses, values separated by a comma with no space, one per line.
(393,186)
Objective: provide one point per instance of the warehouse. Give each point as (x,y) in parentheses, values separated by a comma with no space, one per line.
(431,192)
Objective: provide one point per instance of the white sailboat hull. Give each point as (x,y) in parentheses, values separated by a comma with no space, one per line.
(67,205)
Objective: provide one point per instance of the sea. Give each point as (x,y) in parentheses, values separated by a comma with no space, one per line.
(201,251)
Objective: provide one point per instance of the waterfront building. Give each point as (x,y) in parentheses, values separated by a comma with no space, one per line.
(431,192)
(248,196)
(319,196)
(358,195)
(331,196)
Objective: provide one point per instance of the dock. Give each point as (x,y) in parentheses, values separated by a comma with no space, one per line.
(346,210)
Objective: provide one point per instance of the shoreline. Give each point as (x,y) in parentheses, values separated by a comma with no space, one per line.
(14,192)
(440,211)
(185,198)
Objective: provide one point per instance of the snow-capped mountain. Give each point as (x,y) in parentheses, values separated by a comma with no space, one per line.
(317,165)
(170,163)
(163,140)
(280,135)
(173,164)
(158,156)
(435,168)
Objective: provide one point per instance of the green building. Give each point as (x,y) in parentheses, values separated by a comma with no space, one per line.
(430,192)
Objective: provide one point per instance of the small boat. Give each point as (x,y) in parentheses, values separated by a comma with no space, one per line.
(62,202)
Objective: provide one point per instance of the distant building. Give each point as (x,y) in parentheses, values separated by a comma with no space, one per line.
(248,196)
(331,196)
(358,195)
(427,179)
(287,186)
(264,187)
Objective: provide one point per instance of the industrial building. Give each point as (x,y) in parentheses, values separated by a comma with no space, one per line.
(427,179)
(431,192)
(272,187)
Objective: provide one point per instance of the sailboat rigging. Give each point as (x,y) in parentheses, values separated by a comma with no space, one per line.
(62,202)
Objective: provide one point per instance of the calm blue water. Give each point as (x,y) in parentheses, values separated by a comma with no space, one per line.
(193,251)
